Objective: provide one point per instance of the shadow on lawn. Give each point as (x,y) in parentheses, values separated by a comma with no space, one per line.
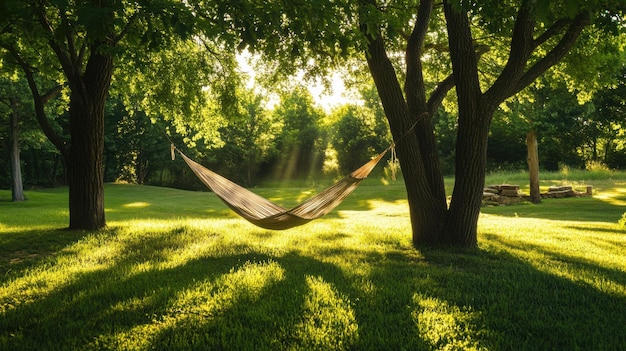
(400,299)
(26,248)
(568,209)
(521,308)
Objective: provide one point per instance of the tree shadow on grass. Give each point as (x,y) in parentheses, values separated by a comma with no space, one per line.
(615,230)
(110,307)
(24,249)
(242,296)
(518,307)
(569,209)
(584,267)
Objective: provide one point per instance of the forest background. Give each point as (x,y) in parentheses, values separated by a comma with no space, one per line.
(282,132)
(176,63)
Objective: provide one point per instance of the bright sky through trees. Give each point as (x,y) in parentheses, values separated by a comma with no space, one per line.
(326,97)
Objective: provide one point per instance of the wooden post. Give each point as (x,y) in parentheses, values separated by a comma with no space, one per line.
(533,165)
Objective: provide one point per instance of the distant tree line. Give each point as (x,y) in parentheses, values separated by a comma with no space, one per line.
(297,140)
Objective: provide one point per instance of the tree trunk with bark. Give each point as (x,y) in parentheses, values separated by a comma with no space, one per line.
(17,187)
(427,212)
(85,164)
(476,108)
(532,157)
(409,121)
(409,113)
(83,155)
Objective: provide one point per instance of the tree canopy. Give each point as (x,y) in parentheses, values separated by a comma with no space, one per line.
(77,45)
(175,61)
(488,52)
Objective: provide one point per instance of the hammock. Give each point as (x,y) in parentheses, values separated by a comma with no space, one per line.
(264,213)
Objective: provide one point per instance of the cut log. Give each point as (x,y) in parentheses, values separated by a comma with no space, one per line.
(509,193)
(560,188)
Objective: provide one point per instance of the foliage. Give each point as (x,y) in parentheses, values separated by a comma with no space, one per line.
(184,85)
(249,139)
(134,148)
(606,132)
(299,143)
(358,134)
(507,147)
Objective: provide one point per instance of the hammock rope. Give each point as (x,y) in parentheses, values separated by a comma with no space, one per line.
(266,214)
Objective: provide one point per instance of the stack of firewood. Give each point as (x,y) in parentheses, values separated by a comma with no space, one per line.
(565,191)
(506,194)
(503,194)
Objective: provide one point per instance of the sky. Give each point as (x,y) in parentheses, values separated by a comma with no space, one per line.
(325,99)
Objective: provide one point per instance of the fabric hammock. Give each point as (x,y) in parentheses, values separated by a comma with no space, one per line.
(264,213)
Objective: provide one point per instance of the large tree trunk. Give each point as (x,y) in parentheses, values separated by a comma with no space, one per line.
(409,119)
(16,167)
(532,152)
(85,164)
(476,108)
(471,147)
(427,206)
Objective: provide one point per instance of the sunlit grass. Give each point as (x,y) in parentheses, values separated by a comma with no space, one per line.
(176,270)
(444,326)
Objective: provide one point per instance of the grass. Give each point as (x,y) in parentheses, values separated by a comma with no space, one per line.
(175,270)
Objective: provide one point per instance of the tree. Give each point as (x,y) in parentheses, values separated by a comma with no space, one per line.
(521,40)
(10,99)
(298,143)
(357,135)
(81,39)
(248,139)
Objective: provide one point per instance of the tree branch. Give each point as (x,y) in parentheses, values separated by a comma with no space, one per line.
(68,37)
(521,49)
(414,84)
(51,93)
(554,29)
(64,60)
(440,92)
(462,54)
(125,30)
(39,102)
(556,54)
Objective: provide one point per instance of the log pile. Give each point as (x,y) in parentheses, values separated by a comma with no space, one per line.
(506,194)
(557,192)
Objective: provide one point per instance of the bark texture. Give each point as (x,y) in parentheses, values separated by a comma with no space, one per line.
(85,164)
(532,157)
(409,121)
(17,187)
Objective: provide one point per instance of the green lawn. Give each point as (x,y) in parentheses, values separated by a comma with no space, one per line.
(175,270)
